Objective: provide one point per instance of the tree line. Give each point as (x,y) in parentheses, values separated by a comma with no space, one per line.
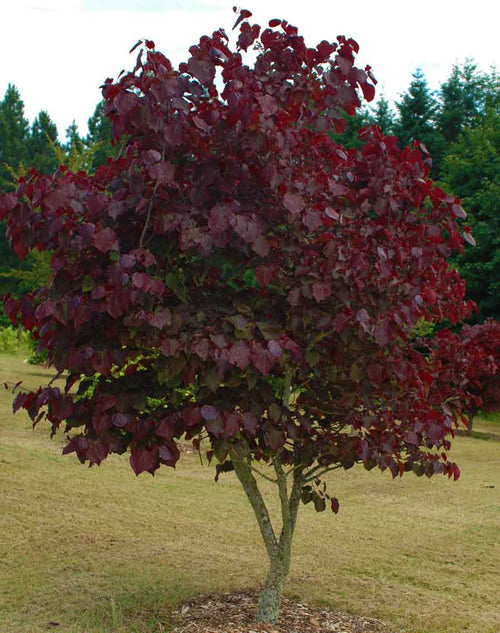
(459,125)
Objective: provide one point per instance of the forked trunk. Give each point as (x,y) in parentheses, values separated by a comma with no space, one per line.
(278,549)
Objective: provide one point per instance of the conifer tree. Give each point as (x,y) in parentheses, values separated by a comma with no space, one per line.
(472,169)
(73,139)
(101,133)
(417,112)
(14,132)
(463,100)
(40,144)
(383,116)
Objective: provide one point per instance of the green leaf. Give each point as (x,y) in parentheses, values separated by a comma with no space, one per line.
(270,331)
(312,357)
(88,283)
(174,282)
(275,411)
(251,378)
(249,278)
(221,450)
(172,369)
(212,379)
(356,373)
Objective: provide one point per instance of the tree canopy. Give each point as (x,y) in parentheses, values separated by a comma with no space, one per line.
(239,279)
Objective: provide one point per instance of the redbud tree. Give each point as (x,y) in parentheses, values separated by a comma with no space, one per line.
(237,279)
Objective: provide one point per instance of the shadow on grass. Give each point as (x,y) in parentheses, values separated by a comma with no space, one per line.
(478,435)
(134,605)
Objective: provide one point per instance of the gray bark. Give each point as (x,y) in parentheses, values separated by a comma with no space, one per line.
(278,549)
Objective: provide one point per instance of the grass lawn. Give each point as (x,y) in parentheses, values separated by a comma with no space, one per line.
(101,550)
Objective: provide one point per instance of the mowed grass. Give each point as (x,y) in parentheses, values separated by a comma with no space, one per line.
(99,550)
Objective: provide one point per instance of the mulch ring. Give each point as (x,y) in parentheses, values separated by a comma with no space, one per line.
(235,613)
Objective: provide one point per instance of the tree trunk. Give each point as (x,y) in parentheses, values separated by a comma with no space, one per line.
(278,550)
(271,593)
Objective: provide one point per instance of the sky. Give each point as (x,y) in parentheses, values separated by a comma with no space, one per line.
(58,52)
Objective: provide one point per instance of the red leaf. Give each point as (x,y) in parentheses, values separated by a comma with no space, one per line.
(458,211)
(274,22)
(166,428)
(191,416)
(208,412)
(7,202)
(264,275)
(368,91)
(293,202)
(261,246)
(202,69)
(169,454)
(160,319)
(275,348)
(262,359)
(232,425)
(119,419)
(468,237)
(335,505)
(250,423)
(163,171)
(321,291)
(138,43)
(105,240)
(239,355)
(244,13)
(144,460)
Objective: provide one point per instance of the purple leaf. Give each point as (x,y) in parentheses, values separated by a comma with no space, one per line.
(294,203)
(208,412)
(105,240)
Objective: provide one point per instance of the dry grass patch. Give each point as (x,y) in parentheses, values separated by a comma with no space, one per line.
(98,550)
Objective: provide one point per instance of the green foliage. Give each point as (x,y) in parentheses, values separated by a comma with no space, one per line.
(349,137)
(14,132)
(424,329)
(383,116)
(417,112)
(466,96)
(14,340)
(472,168)
(100,136)
(42,138)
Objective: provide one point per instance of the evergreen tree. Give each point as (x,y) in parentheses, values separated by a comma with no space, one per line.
(350,136)
(101,134)
(14,132)
(417,112)
(472,169)
(464,98)
(40,144)
(383,116)
(73,139)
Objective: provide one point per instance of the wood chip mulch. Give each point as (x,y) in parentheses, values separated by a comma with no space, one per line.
(235,613)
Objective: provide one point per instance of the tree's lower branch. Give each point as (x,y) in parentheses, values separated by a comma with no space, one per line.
(247,480)
(286,533)
(266,477)
(317,471)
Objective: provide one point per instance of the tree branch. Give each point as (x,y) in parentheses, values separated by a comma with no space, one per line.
(286,533)
(266,477)
(148,217)
(247,480)
(316,472)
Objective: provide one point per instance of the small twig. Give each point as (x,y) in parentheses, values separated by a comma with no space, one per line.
(150,206)
(311,475)
(274,481)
